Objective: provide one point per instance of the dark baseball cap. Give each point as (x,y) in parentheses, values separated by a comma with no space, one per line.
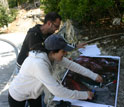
(56,42)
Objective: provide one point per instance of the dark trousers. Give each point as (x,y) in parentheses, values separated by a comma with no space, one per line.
(32,102)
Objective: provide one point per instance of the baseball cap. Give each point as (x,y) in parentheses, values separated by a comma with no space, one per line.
(56,42)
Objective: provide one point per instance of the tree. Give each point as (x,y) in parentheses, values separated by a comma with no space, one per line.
(4,3)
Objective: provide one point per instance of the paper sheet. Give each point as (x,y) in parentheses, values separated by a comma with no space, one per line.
(90,50)
(81,103)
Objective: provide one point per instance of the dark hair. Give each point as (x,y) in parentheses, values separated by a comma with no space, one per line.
(38,47)
(51,16)
(41,48)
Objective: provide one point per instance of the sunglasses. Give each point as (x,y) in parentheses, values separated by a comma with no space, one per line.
(56,26)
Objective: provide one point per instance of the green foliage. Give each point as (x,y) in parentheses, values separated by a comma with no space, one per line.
(3,16)
(50,5)
(15,3)
(73,9)
(12,15)
(80,10)
(6,17)
(12,3)
(85,10)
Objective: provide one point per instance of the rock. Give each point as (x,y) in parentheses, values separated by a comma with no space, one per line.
(116,21)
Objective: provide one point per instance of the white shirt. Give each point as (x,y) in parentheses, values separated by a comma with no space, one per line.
(36,72)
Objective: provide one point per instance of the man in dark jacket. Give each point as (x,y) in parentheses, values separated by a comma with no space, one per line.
(38,34)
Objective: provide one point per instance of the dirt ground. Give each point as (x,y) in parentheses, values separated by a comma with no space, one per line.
(109,46)
(24,21)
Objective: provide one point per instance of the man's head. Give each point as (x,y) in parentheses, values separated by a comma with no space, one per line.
(52,16)
(52,22)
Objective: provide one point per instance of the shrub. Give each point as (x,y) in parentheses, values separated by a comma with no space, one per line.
(12,3)
(6,17)
(50,5)
(3,16)
(85,10)
(15,3)
(12,15)
(80,10)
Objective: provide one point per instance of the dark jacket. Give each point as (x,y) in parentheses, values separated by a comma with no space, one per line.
(33,37)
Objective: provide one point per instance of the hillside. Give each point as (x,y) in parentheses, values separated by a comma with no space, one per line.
(109,46)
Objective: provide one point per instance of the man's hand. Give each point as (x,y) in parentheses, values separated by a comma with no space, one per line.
(99,79)
(81,45)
